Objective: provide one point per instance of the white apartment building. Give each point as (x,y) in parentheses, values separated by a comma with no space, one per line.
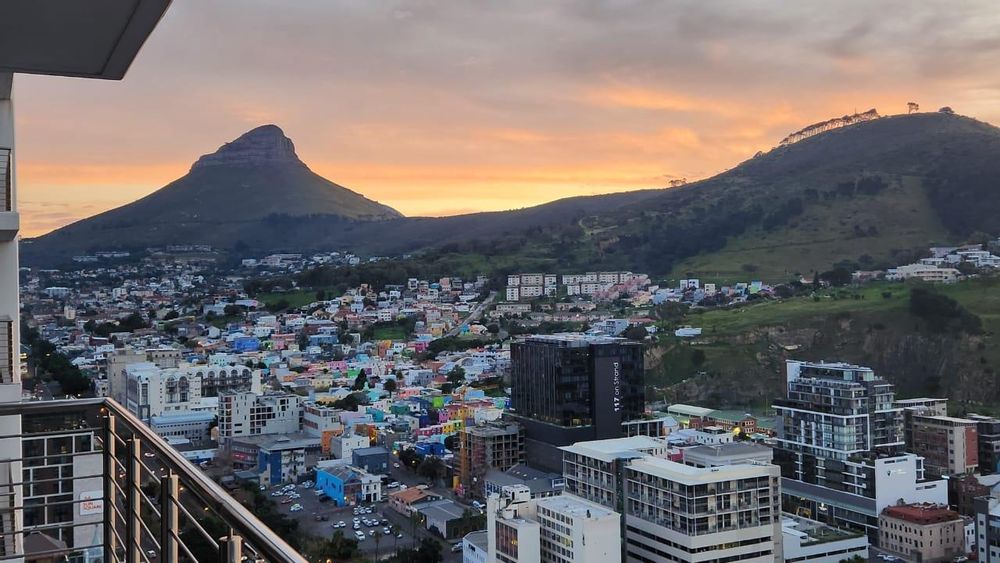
(250,414)
(674,512)
(317,419)
(559,529)
(923,272)
(342,447)
(151,390)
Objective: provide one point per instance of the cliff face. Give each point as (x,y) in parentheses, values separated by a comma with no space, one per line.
(262,146)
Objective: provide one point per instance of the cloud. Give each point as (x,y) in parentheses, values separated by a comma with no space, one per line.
(472,105)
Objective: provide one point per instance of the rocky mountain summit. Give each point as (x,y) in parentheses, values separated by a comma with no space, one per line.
(263,145)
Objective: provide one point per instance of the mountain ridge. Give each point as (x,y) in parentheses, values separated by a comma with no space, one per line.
(891,184)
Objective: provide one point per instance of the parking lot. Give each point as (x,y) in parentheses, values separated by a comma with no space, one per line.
(322,519)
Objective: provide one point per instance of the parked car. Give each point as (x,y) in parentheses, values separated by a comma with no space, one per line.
(456,548)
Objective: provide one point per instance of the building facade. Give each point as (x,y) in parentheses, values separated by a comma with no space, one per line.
(567,388)
(922,532)
(676,512)
(249,414)
(562,529)
(840,445)
(497,445)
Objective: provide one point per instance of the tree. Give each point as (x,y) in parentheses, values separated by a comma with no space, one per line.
(431,468)
(456,376)
(409,457)
(360,381)
(837,277)
(339,547)
(389,386)
(635,332)
(946,109)
(697,357)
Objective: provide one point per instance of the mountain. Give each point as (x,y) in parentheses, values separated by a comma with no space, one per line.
(225,195)
(868,194)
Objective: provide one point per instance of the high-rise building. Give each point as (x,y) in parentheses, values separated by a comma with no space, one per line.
(948,445)
(495,445)
(676,512)
(988,438)
(568,388)
(250,414)
(153,391)
(559,529)
(840,447)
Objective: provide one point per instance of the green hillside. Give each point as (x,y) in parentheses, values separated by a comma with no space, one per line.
(739,359)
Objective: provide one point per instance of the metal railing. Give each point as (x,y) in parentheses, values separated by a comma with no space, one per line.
(152,506)
(6,183)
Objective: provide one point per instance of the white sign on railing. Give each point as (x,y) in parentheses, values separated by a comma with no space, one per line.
(91,502)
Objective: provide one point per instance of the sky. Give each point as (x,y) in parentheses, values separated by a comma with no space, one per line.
(447,107)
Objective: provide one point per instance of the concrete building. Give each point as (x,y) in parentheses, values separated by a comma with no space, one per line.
(540,483)
(557,529)
(475,547)
(949,445)
(190,425)
(250,414)
(567,388)
(727,454)
(676,512)
(283,459)
(496,445)
(988,437)
(151,390)
(840,447)
(373,459)
(927,533)
(121,358)
(342,447)
(805,540)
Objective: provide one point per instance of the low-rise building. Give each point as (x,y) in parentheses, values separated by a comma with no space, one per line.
(408,500)
(809,541)
(346,485)
(928,533)
(373,460)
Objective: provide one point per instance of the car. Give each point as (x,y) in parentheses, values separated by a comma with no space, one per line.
(295,507)
(276,494)
(286,501)
(477,504)
(263,488)
(396,465)
(384,522)
(386,531)
(371,532)
(393,485)
(340,524)
(149,454)
(318,518)
(151,552)
(456,548)
(399,535)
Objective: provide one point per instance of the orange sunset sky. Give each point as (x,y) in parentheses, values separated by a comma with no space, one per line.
(445,107)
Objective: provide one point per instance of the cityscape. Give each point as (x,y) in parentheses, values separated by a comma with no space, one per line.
(793,360)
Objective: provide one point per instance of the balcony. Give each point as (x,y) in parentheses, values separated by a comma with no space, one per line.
(99,485)
(9,220)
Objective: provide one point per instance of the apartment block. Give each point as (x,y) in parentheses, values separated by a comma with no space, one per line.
(561,529)
(948,445)
(498,446)
(676,512)
(840,445)
(928,533)
(250,414)
(988,434)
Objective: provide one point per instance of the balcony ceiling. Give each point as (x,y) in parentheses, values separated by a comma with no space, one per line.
(89,39)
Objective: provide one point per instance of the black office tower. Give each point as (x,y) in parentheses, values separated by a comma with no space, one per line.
(568,388)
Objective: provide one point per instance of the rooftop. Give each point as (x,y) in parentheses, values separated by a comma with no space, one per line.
(924,514)
(573,339)
(609,450)
(569,505)
(811,532)
(673,471)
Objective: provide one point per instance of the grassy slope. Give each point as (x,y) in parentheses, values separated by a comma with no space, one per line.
(724,330)
(824,235)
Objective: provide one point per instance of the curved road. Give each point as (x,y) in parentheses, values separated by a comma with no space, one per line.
(474,315)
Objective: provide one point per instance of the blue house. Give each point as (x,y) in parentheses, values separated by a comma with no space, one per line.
(372,460)
(347,485)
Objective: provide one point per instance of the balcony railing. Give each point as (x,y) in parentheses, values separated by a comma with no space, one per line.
(102,486)
(6,199)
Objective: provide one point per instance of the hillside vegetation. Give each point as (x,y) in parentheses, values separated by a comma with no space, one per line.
(925,350)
